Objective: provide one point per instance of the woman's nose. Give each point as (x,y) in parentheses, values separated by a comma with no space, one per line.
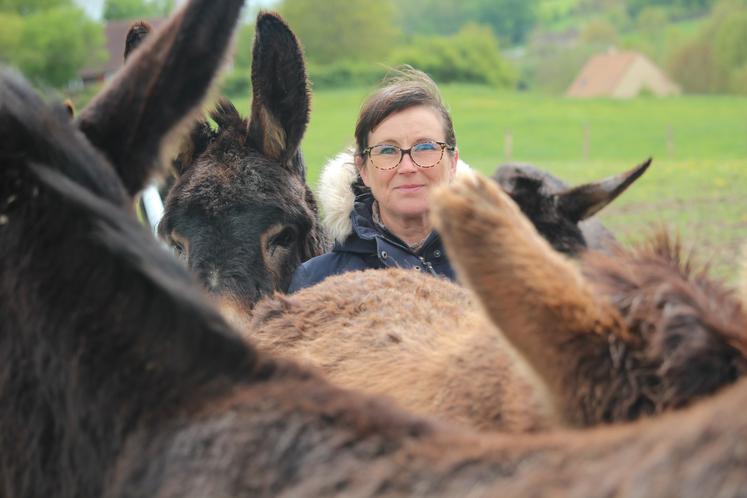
(407,165)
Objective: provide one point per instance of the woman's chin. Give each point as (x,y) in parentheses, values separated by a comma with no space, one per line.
(411,210)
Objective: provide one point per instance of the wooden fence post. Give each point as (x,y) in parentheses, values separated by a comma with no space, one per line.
(508,145)
(587,141)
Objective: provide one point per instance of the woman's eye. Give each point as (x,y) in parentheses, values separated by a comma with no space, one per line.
(385,150)
(425,147)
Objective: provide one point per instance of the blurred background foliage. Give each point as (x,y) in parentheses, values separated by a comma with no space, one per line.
(535,45)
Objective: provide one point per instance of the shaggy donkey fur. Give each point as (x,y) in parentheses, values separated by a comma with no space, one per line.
(119,380)
(424,343)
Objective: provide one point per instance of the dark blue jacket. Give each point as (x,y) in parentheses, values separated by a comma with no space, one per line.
(368,247)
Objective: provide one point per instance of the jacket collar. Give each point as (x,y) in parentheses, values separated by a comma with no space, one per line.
(365,236)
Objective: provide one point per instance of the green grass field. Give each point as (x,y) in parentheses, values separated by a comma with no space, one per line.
(697,184)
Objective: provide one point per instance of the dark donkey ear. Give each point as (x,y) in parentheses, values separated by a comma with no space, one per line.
(160,87)
(280,104)
(135,36)
(584,201)
(195,142)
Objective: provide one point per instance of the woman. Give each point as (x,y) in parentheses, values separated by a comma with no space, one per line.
(405,146)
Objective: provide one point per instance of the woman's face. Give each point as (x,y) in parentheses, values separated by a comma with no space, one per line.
(403,192)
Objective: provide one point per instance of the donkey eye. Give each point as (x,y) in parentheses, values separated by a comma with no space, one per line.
(285,238)
(177,248)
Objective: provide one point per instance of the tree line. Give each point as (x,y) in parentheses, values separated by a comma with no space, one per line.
(350,42)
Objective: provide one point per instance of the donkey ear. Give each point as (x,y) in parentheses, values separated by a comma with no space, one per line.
(162,84)
(584,201)
(280,105)
(69,107)
(135,36)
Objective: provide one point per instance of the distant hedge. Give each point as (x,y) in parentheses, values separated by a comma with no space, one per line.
(470,56)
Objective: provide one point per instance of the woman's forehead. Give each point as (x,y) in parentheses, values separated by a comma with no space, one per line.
(408,125)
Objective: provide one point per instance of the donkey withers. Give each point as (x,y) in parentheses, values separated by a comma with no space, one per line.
(241,213)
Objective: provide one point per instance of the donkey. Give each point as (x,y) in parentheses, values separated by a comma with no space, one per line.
(564,215)
(240,213)
(49,407)
(119,379)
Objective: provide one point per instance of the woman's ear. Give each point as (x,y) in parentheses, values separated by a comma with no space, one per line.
(453,165)
(360,165)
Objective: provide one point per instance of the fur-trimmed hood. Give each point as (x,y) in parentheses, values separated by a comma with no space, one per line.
(337,191)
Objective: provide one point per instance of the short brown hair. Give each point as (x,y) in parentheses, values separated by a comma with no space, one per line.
(403,88)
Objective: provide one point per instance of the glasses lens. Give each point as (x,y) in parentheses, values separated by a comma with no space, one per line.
(426,154)
(385,156)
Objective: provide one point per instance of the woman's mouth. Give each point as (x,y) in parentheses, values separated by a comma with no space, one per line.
(411,187)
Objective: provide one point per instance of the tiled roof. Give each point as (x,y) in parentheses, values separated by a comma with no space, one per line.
(601,74)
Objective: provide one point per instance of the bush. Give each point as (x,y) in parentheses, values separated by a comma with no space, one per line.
(471,55)
(739,80)
(237,83)
(345,73)
(713,63)
(51,46)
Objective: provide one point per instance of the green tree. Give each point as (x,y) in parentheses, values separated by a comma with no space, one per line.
(695,67)
(335,30)
(600,31)
(730,40)
(471,55)
(10,35)
(714,62)
(432,17)
(56,43)
(510,20)
(26,7)
(678,7)
(131,9)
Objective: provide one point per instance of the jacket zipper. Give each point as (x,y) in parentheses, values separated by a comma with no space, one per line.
(426,264)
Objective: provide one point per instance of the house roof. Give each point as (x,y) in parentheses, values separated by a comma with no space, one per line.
(602,73)
(116,33)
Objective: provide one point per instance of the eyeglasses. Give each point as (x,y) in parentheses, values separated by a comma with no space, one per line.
(423,154)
